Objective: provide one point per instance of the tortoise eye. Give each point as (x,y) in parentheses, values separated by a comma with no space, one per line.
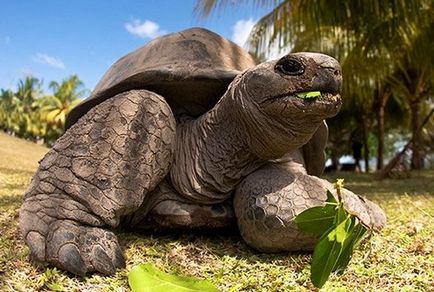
(289,66)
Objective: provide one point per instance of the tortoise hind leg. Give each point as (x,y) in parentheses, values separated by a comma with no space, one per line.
(167,210)
(100,170)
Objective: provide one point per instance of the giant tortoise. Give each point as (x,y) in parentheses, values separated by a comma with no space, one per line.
(187,132)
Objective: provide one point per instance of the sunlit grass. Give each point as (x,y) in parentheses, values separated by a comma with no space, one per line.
(400,259)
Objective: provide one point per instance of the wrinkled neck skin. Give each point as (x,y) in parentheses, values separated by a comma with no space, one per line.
(215,151)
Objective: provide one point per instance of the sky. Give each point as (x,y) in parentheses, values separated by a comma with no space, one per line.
(53,39)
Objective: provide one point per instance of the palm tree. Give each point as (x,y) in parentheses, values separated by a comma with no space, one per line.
(66,95)
(8,106)
(371,39)
(414,80)
(28,93)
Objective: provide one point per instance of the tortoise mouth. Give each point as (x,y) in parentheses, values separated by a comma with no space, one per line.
(324,103)
(319,96)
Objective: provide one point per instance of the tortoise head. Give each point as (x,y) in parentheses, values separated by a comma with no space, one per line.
(284,101)
(279,87)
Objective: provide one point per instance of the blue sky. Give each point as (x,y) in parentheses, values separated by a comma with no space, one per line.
(52,39)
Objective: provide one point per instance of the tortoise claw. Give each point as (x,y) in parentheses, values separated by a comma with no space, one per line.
(70,259)
(102,262)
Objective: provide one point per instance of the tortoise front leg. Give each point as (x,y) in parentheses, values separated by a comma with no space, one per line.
(99,171)
(268,200)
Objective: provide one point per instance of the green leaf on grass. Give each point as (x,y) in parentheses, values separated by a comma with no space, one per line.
(327,252)
(147,278)
(316,220)
(355,233)
(339,233)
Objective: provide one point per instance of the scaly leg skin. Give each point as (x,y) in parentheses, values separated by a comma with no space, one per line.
(268,200)
(99,171)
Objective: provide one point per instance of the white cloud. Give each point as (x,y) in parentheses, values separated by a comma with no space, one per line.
(49,60)
(145,29)
(241,31)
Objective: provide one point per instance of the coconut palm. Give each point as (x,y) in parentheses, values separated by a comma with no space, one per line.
(8,106)
(28,93)
(66,95)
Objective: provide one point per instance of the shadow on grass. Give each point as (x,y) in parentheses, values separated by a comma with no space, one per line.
(220,244)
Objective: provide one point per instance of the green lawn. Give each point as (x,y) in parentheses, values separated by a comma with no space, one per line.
(401,258)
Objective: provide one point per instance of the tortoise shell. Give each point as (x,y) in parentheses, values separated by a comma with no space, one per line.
(191,69)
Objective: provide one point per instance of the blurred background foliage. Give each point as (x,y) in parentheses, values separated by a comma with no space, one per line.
(32,114)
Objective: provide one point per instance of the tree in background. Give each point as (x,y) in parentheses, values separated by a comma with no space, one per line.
(8,111)
(413,81)
(31,114)
(66,95)
(385,48)
(29,91)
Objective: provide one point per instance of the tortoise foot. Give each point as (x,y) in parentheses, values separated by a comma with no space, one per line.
(267,202)
(76,248)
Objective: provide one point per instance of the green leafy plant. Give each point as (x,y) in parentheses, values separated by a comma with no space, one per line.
(147,278)
(339,233)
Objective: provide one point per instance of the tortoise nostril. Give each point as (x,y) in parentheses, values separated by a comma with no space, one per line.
(337,72)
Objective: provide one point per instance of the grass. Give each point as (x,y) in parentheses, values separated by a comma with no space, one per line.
(401,258)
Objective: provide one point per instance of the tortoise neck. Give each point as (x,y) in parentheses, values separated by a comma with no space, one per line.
(229,142)
(213,154)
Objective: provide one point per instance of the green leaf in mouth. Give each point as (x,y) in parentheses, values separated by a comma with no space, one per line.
(308,94)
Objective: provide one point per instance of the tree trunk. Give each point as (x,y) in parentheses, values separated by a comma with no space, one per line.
(382,99)
(365,143)
(335,161)
(380,136)
(416,157)
(394,161)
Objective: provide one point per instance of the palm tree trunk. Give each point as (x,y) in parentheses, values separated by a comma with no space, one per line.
(380,108)
(335,161)
(365,142)
(380,137)
(416,157)
(394,161)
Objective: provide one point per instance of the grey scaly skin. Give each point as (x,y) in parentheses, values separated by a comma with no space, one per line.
(124,161)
